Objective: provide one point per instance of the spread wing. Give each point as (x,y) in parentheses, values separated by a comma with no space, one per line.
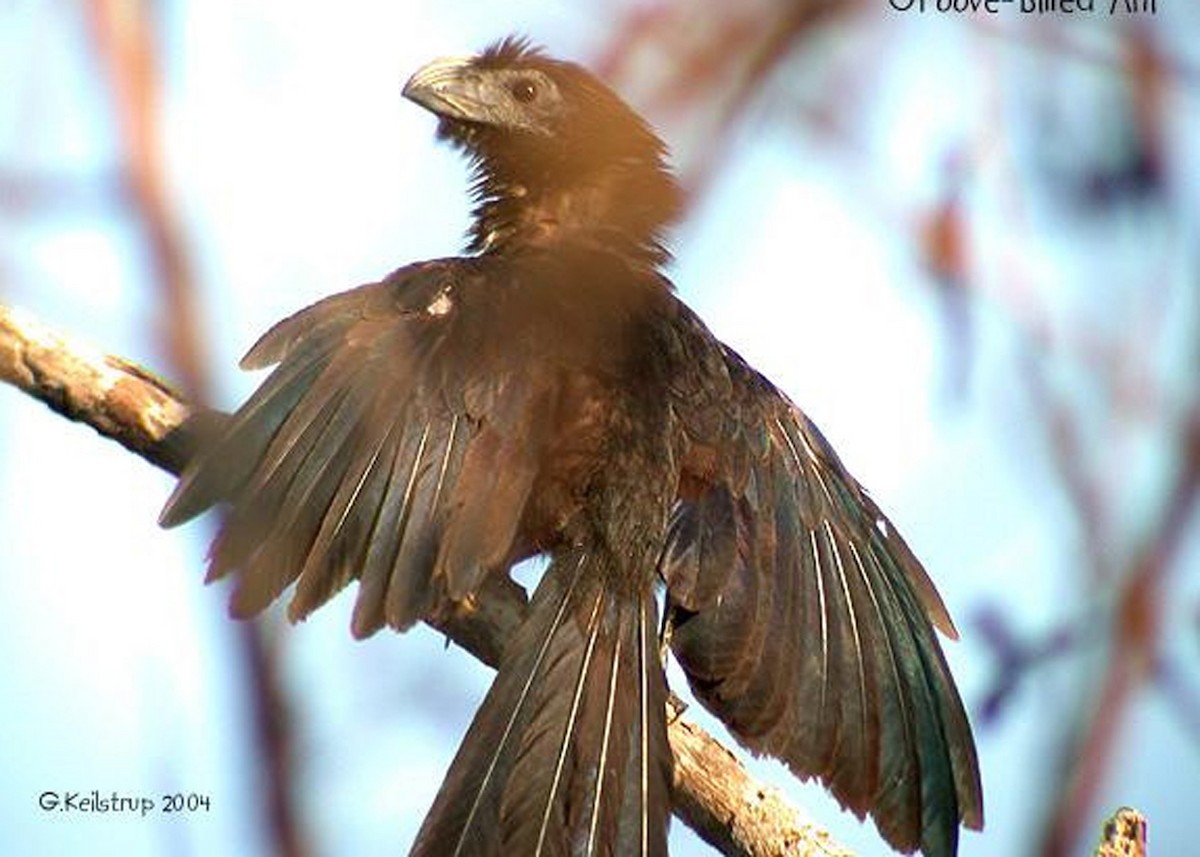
(801,617)
(389,445)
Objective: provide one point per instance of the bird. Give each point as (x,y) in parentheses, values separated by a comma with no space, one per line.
(547,393)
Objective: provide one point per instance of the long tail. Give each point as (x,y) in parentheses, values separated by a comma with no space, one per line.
(568,753)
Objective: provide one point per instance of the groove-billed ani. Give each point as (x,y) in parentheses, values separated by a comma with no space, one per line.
(548,393)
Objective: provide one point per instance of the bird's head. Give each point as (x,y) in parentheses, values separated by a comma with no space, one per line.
(555,151)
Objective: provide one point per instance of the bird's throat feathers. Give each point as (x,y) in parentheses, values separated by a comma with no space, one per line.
(625,206)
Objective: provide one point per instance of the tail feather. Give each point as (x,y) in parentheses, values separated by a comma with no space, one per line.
(644,812)
(568,753)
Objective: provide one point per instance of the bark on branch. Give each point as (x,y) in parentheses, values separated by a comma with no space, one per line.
(713,793)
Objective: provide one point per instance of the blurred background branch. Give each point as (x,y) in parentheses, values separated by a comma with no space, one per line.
(125,37)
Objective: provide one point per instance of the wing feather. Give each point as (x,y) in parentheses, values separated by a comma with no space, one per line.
(388,445)
(855,688)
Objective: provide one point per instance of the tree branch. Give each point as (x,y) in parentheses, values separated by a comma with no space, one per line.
(713,793)
(118,399)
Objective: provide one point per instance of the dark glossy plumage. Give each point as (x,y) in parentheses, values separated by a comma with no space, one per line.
(550,394)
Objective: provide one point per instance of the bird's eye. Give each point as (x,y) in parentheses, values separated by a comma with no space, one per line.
(524,90)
